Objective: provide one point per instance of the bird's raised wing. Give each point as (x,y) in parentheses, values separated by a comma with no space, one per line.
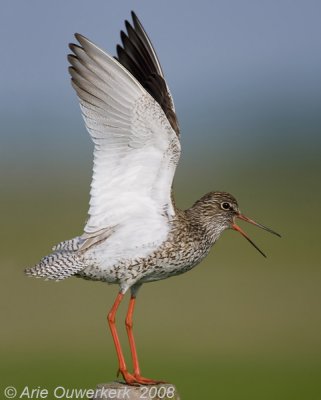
(136,148)
(138,56)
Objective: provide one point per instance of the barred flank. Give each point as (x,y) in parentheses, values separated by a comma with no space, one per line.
(63,263)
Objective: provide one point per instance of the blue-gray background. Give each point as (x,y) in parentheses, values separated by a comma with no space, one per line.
(245,76)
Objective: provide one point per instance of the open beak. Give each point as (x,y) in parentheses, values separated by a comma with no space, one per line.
(237,228)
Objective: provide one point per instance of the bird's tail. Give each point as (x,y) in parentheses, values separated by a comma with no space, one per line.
(64,262)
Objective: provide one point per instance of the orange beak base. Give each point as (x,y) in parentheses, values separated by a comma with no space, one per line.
(240,230)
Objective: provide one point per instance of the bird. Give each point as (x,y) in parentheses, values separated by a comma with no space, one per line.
(135,233)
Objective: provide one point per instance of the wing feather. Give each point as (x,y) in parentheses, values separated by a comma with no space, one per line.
(138,56)
(136,149)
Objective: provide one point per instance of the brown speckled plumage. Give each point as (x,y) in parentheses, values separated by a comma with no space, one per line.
(192,234)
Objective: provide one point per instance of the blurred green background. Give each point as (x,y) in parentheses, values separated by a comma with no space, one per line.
(246,81)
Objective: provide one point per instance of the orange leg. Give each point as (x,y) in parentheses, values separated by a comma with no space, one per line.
(111,317)
(112,325)
(129,327)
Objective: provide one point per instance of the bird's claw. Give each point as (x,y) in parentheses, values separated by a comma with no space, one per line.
(135,379)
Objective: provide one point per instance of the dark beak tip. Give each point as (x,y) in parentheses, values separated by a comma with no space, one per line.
(238,229)
(246,219)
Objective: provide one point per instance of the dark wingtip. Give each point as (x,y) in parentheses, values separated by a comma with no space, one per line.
(71,58)
(81,38)
(123,36)
(127,25)
(72,46)
(138,56)
(136,20)
(119,50)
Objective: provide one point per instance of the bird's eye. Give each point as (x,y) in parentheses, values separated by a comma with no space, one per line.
(226,206)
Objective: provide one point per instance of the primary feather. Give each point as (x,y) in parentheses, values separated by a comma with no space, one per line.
(139,57)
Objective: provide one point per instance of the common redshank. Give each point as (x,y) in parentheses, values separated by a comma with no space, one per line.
(135,233)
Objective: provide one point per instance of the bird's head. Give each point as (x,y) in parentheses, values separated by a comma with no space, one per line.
(221,210)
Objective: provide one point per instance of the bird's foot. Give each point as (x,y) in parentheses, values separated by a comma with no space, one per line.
(146,381)
(136,379)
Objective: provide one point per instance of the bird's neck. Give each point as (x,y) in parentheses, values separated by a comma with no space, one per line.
(209,227)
